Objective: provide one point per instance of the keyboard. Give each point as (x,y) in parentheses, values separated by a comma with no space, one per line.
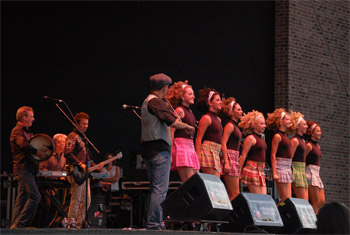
(52,173)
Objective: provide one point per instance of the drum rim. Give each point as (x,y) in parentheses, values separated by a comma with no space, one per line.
(48,156)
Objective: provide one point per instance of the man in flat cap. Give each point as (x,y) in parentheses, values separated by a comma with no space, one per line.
(156,145)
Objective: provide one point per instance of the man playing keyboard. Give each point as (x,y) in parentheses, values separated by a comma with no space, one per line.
(57,162)
(51,168)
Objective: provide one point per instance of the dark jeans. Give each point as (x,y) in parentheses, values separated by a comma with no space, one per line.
(158,169)
(28,198)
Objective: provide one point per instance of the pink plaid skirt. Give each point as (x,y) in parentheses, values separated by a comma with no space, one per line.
(283,170)
(210,155)
(313,176)
(233,158)
(253,173)
(184,154)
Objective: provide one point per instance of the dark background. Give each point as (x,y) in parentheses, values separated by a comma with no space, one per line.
(97,56)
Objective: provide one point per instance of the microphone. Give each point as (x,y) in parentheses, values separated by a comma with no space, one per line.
(50,98)
(125,106)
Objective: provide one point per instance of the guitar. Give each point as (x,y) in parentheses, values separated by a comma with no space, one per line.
(79,175)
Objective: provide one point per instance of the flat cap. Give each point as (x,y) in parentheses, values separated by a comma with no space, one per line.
(159,80)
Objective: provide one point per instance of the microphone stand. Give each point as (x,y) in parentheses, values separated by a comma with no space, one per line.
(87,142)
(133,110)
(87,225)
(137,114)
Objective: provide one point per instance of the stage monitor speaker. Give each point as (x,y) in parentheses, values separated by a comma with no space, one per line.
(298,216)
(201,197)
(96,211)
(253,212)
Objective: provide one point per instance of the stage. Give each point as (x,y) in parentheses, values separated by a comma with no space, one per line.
(102,231)
(196,207)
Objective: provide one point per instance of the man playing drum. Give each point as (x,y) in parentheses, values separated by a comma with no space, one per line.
(24,168)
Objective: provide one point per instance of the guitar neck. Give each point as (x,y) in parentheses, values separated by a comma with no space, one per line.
(119,155)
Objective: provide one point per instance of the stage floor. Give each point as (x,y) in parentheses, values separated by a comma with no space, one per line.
(105,231)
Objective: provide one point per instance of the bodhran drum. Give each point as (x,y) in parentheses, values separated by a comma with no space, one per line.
(44,143)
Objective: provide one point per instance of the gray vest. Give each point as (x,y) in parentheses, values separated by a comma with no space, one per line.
(152,127)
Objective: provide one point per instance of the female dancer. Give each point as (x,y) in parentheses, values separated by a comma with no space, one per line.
(281,158)
(230,144)
(298,151)
(210,131)
(313,156)
(254,149)
(184,157)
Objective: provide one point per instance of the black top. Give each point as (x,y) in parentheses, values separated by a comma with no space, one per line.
(234,140)
(190,120)
(300,152)
(313,158)
(283,150)
(258,151)
(214,131)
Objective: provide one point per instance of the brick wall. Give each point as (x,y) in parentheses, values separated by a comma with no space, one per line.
(307,80)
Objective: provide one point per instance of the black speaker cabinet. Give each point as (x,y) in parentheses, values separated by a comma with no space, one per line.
(97,217)
(297,215)
(252,212)
(201,197)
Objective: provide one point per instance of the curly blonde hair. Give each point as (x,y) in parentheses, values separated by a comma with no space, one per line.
(176,92)
(226,108)
(248,121)
(274,120)
(294,117)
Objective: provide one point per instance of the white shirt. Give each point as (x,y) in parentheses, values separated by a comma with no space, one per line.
(111,173)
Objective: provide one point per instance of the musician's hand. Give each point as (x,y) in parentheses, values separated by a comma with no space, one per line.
(191,128)
(100,166)
(41,154)
(190,131)
(83,166)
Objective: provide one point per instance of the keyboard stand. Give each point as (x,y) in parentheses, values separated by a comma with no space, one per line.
(55,202)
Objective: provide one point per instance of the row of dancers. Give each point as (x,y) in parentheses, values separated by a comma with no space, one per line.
(217,150)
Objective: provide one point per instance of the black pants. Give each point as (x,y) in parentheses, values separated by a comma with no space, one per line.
(27,201)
